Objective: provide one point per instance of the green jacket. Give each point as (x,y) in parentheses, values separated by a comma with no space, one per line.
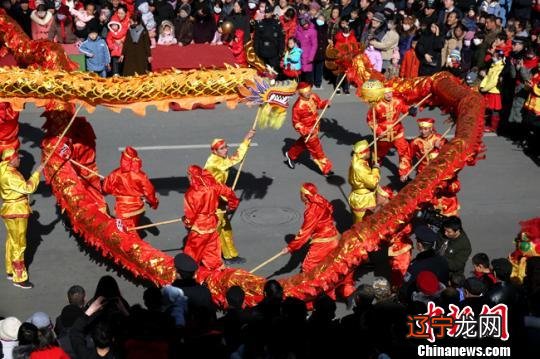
(456,251)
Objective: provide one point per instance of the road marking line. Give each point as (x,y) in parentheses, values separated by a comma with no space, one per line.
(180,147)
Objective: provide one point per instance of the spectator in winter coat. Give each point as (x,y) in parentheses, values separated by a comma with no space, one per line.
(183,26)
(240,20)
(489,87)
(96,52)
(149,22)
(387,44)
(322,42)
(307,39)
(81,18)
(292,59)
(121,16)
(235,42)
(165,11)
(204,27)
(288,23)
(166,34)
(61,30)
(42,20)
(374,57)
(21,14)
(453,43)
(115,42)
(410,64)
(136,55)
(376,29)
(344,37)
(493,7)
(428,51)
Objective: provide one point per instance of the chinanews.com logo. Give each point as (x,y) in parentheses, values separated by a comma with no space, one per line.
(463,323)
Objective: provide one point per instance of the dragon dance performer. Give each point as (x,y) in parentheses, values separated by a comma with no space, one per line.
(79,145)
(201,202)
(130,185)
(15,211)
(387,112)
(400,246)
(445,199)
(218,164)
(363,180)
(319,229)
(304,117)
(429,141)
(9,128)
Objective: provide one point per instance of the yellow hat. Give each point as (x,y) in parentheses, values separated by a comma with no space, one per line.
(361,146)
(8,154)
(425,122)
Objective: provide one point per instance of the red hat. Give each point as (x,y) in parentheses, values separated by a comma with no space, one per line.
(427,282)
(130,161)
(309,189)
(59,106)
(425,122)
(216,144)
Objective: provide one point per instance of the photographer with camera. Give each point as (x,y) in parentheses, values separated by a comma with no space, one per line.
(427,259)
(454,245)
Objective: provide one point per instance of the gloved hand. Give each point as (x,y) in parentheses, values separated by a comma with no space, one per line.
(413,110)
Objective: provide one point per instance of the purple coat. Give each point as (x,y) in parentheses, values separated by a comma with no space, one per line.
(307,40)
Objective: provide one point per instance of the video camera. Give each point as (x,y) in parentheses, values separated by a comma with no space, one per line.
(432,217)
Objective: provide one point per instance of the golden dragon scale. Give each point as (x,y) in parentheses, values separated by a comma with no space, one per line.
(209,86)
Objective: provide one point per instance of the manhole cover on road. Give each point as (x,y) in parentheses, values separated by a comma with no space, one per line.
(269,216)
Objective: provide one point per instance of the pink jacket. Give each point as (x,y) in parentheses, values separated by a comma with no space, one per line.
(41,27)
(374,57)
(307,40)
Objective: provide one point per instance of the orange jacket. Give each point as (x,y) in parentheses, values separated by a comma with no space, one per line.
(304,113)
(387,113)
(9,127)
(201,203)
(419,147)
(409,65)
(129,188)
(318,223)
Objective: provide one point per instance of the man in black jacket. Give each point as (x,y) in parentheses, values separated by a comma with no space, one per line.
(269,39)
(426,260)
(454,245)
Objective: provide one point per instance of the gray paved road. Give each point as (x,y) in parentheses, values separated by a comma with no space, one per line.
(495,195)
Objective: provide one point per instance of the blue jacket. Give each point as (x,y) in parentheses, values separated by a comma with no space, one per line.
(101,56)
(293,58)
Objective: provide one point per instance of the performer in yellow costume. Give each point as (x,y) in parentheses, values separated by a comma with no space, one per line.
(218,164)
(363,180)
(15,211)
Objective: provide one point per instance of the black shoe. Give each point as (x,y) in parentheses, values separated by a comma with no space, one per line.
(9,276)
(331,173)
(346,92)
(289,162)
(24,285)
(239,260)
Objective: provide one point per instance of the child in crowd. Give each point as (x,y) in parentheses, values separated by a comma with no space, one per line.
(374,57)
(149,22)
(217,40)
(115,42)
(410,64)
(292,59)
(489,87)
(97,54)
(393,69)
(166,34)
(482,270)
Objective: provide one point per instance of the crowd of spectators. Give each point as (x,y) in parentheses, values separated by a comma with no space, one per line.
(492,45)
(181,320)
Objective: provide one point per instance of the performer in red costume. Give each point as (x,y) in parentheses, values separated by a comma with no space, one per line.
(387,112)
(130,185)
(319,229)
(445,199)
(429,141)
(304,117)
(201,203)
(400,246)
(9,128)
(79,145)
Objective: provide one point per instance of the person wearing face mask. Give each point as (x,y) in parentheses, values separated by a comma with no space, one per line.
(62,28)
(322,42)
(42,21)
(96,52)
(307,40)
